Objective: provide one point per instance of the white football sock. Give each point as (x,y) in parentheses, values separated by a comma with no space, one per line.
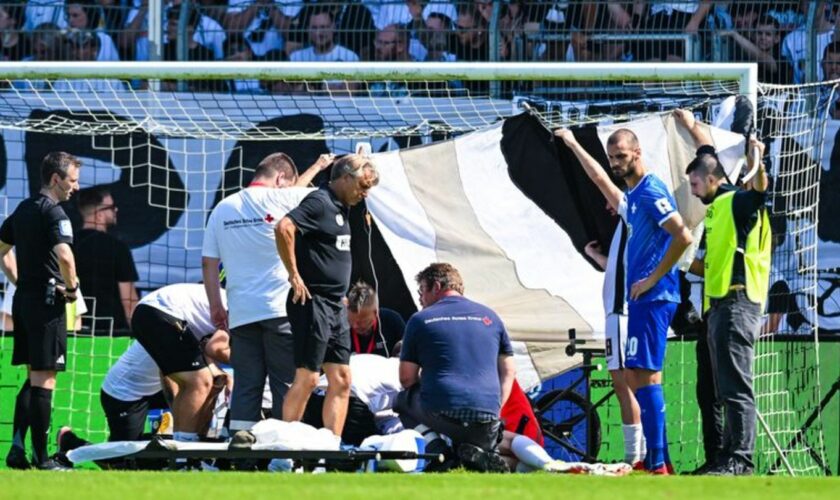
(633,443)
(529,452)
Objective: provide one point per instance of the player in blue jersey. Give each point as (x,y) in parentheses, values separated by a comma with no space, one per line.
(657,237)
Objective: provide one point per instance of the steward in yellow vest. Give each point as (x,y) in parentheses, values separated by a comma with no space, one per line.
(736,267)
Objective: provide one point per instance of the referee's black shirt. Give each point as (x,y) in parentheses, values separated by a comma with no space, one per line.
(34,228)
(323,249)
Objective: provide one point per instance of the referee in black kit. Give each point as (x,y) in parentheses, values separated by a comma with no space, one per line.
(319,265)
(46,280)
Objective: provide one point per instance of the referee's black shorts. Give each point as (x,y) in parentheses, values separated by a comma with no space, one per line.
(167,339)
(321,332)
(40,332)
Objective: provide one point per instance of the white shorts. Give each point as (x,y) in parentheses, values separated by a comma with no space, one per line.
(616,336)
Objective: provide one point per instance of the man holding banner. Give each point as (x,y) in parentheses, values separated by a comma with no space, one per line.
(736,267)
(657,237)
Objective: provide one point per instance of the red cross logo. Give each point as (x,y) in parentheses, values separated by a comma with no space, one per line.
(269,218)
(487,321)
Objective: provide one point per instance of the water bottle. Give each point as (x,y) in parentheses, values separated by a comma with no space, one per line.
(49,299)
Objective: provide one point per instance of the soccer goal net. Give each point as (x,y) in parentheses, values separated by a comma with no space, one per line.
(170,140)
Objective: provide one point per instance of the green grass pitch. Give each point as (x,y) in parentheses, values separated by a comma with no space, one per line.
(95,485)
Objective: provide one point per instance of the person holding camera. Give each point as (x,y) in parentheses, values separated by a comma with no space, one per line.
(46,280)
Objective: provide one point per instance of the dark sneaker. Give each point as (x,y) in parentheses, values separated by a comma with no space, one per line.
(52,464)
(702,470)
(67,440)
(475,459)
(16,459)
(730,467)
(242,440)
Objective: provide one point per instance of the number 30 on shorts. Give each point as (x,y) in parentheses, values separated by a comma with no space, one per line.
(632,346)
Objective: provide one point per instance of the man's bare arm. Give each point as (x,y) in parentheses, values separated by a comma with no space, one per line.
(67,267)
(284,238)
(686,118)
(409,373)
(321,164)
(697,268)
(213,289)
(593,169)
(128,298)
(507,374)
(760,182)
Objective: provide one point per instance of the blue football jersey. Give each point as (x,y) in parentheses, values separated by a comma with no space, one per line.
(644,209)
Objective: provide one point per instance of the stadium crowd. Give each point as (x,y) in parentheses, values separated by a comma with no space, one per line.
(776,35)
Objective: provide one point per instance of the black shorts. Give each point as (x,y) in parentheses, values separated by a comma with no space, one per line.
(40,332)
(168,340)
(321,332)
(127,419)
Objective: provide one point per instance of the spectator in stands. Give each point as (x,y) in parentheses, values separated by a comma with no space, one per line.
(104,263)
(113,15)
(512,21)
(47,44)
(437,38)
(214,9)
(373,329)
(86,15)
(472,37)
(134,38)
(195,51)
(322,46)
(744,15)
(354,24)
(261,23)
(39,12)
(467,366)
(830,66)
(831,62)
(763,48)
(13,46)
(391,44)
(796,44)
(675,17)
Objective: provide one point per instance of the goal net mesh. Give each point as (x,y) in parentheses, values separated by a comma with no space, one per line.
(171,155)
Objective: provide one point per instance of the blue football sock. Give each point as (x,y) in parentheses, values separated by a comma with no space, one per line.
(652,404)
